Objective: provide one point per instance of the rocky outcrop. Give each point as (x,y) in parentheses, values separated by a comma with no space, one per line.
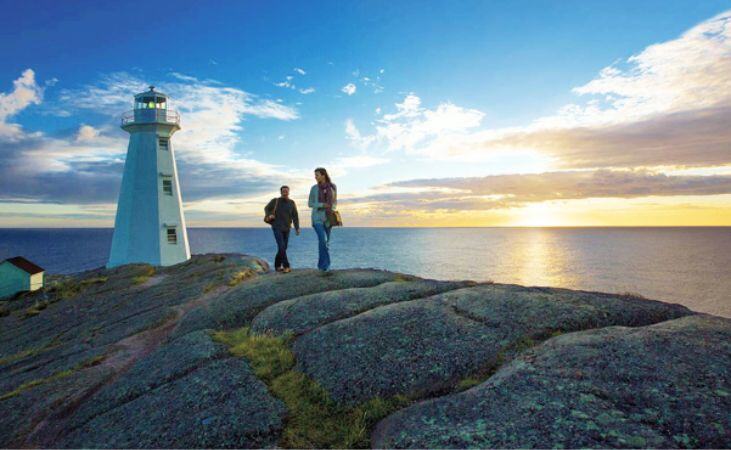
(133,357)
(425,346)
(303,314)
(659,386)
(89,346)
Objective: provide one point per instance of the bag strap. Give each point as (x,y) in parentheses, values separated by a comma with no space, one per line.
(276,203)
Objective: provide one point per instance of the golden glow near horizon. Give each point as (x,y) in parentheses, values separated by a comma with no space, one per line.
(646,211)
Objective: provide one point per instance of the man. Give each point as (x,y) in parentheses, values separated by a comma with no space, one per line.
(281,212)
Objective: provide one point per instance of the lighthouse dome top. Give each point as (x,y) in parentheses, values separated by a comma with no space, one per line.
(151,99)
(151,108)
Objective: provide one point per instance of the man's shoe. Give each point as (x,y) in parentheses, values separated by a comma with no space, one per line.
(279,269)
(286,270)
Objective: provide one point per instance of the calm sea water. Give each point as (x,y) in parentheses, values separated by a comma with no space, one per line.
(691,266)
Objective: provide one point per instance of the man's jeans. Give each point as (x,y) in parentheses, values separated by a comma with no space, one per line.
(323,237)
(282,238)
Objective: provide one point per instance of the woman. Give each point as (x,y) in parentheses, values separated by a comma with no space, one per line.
(323,200)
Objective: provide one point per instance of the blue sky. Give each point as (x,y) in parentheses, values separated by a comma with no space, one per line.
(385,93)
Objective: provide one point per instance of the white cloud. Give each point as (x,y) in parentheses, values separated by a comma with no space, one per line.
(518,190)
(25,92)
(212,115)
(267,109)
(184,77)
(86,133)
(373,83)
(668,105)
(410,107)
(85,167)
(690,72)
(289,83)
(349,89)
(112,95)
(353,135)
(412,127)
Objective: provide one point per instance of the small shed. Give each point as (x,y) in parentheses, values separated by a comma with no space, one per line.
(18,274)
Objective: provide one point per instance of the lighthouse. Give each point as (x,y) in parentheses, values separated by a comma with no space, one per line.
(150,225)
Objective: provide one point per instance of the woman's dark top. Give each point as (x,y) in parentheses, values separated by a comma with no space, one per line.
(286,214)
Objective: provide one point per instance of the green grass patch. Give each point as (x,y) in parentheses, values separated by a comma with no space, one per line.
(507,354)
(632,296)
(402,277)
(56,376)
(18,356)
(91,362)
(467,383)
(240,276)
(69,287)
(30,312)
(65,289)
(34,310)
(314,419)
(34,383)
(268,355)
(146,272)
(93,280)
(209,287)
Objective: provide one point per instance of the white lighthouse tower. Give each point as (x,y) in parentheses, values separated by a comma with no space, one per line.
(150,226)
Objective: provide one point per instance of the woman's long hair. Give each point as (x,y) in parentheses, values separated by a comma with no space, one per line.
(322,171)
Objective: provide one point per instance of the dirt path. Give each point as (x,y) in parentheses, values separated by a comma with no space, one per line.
(120,359)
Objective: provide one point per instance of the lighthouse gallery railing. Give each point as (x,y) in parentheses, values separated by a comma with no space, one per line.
(150,116)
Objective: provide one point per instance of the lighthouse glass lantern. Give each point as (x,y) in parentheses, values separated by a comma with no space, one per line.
(150,224)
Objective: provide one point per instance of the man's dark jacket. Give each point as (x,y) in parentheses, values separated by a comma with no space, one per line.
(286,214)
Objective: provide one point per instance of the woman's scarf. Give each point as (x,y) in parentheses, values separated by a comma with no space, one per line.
(326,195)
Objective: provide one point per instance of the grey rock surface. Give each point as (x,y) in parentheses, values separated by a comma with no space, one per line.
(22,413)
(662,386)
(239,306)
(91,330)
(168,363)
(125,358)
(302,314)
(425,346)
(219,405)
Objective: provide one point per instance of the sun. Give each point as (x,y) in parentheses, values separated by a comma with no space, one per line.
(542,214)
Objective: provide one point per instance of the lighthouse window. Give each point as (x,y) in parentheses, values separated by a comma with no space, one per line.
(167,187)
(163,143)
(172,236)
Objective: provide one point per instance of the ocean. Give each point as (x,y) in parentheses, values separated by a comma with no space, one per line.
(686,265)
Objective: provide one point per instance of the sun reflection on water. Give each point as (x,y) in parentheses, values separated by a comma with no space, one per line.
(537,260)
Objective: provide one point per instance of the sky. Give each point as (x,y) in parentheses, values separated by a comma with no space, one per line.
(428,114)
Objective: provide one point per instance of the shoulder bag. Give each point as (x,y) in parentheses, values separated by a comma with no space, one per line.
(266,216)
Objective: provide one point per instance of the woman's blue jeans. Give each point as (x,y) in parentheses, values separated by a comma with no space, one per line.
(323,237)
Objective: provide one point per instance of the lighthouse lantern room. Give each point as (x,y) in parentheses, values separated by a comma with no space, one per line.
(150,224)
